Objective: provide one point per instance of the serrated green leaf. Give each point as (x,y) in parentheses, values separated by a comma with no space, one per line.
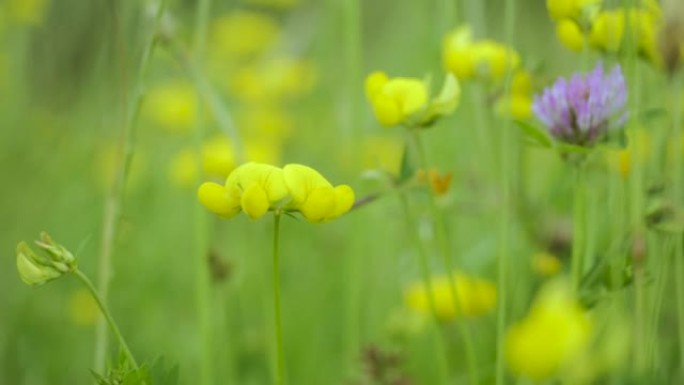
(534,134)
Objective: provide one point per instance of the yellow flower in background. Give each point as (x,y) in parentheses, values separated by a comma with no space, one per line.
(382,152)
(470,59)
(555,333)
(546,264)
(475,297)
(218,159)
(637,152)
(172,106)
(280,4)
(406,101)
(273,80)
(29,12)
(242,34)
(265,120)
(313,196)
(570,34)
(518,104)
(609,27)
(572,9)
(256,188)
(253,188)
(83,309)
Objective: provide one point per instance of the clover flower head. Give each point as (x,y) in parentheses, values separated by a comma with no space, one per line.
(584,109)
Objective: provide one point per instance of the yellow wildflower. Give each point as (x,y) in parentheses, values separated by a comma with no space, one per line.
(518,104)
(475,297)
(172,106)
(573,9)
(485,59)
(218,159)
(30,12)
(406,101)
(608,31)
(274,80)
(555,333)
(546,264)
(570,34)
(242,34)
(253,188)
(256,188)
(314,196)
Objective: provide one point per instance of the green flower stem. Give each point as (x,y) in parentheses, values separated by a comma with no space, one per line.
(280,360)
(114,201)
(202,274)
(578,221)
(677,190)
(424,266)
(108,317)
(440,228)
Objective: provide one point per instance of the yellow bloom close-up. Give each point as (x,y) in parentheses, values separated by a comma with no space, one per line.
(256,188)
(172,106)
(475,296)
(572,9)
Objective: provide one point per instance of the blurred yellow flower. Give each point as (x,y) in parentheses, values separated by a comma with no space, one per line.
(313,196)
(172,106)
(518,104)
(242,34)
(546,264)
(573,9)
(280,4)
(265,120)
(83,309)
(29,12)
(382,152)
(484,59)
(218,159)
(637,152)
(273,80)
(406,101)
(608,31)
(475,297)
(555,333)
(570,34)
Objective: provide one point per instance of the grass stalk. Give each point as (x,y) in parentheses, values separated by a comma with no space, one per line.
(280,359)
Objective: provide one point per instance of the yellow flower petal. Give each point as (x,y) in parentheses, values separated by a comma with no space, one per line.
(570,34)
(218,199)
(302,180)
(344,200)
(255,202)
(319,204)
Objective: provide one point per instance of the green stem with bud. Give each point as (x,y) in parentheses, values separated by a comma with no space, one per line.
(108,317)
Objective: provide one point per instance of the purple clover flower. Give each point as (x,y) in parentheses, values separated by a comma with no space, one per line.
(584,109)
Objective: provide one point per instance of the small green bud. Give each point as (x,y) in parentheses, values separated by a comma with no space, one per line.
(36,269)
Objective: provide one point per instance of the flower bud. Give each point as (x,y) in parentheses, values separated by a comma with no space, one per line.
(36,269)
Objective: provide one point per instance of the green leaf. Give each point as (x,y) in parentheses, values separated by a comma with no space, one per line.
(163,374)
(407,170)
(535,134)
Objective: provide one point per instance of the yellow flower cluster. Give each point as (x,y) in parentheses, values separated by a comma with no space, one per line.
(554,335)
(485,59)
(489,61)
(406,101)
(584,23)
(256,188)
(475,296)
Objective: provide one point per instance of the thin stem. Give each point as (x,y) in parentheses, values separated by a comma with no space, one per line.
(424,267)
(280,360)
(677,190)
(114,201)
(202,278)
(108,317)
(578,228)
(440,228)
